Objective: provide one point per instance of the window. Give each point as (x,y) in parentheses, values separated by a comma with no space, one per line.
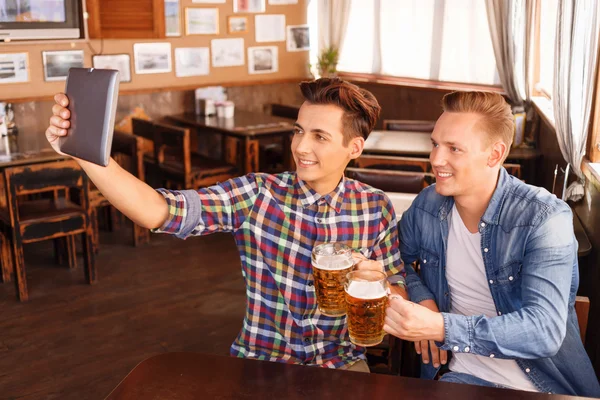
(547,15)
(425,39)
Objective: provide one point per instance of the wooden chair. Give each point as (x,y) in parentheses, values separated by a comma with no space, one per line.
(513,169)
(410,164)
(272,151)
(582,309)
(127,150)
(56,217)
(408,125)
(284,110)
(391,181)
(178,166)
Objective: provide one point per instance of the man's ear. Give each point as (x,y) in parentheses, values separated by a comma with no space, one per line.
(357,145)
(499,149)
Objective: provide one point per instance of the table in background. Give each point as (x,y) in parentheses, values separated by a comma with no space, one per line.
(242,134)
(401,202)
(203,376)
(418,144)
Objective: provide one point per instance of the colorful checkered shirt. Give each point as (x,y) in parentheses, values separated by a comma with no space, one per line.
(276,221)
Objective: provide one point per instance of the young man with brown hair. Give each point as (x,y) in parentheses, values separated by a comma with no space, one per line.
(276,221)
(498,256)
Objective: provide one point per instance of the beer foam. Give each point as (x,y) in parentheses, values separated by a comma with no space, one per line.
(333,263)
(366,290)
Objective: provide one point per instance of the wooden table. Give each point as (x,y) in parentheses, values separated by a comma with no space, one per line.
(418,144)
(242,134)
(203,376)
(401,202)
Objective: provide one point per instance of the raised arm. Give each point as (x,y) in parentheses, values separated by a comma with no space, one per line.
(134,198)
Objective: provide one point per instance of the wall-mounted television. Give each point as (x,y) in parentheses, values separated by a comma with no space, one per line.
(40,19)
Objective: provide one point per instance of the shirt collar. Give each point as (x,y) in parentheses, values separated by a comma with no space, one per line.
(307,196)
(492,212)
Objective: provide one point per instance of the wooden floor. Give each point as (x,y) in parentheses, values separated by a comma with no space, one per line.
(76,341)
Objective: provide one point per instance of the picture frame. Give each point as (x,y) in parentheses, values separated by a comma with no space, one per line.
(152,58)
(237,24)
(249,6)
(172,18)
(192,61)
(227,52)
(269,28)
(201,21)
(263,59)
(14,68)
(120,62)
(282,2)
(58,63)
(298,38)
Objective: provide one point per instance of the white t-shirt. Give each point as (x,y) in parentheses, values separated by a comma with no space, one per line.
(470,295)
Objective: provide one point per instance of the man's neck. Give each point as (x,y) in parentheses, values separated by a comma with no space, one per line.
(324,188)
(471,207)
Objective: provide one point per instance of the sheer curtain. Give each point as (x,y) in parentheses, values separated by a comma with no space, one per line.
(426,39)
(510,30)
(574,70)
(333,20)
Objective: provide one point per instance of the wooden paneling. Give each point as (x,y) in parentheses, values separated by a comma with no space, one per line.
(126,19)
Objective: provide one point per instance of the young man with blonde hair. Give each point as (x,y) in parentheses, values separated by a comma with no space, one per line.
(499,258)
(276,221)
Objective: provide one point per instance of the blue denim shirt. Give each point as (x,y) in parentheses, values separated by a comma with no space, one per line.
(530,255)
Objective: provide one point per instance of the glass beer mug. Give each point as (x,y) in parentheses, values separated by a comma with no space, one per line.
(366,301)
(331,263)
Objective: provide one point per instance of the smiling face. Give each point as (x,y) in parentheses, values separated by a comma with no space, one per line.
(464,159)
(318,146)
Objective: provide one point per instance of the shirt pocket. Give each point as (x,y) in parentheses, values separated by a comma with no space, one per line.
(509,275)
(429,265)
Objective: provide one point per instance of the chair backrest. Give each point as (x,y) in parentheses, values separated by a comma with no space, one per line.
(55,176)
(131,146)
(285,111)
(408,125)
(409,164)
(144,129)
(391,181)
(173,143)
(513,169)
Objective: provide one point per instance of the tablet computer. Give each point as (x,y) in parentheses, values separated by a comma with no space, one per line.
(92,97)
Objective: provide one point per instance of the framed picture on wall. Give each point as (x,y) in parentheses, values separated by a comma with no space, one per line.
(263,59)
(298,38)
(120,62)
(192,61)
(237,24)
(58,63)
(172,18)
(282,2)
(14,67)
(269,28)
(201,21)
(152,58)
(248,6)
(227,52)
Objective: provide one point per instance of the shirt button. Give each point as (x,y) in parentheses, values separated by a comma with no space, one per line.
(492,355)
(499,312)
(446,294)
(310,283)
(318,220)
(491,281)
(483,224)
(527,370)
(321,201)
(485,250)
(424,261)
(455,348)
(510,278)
(467,349)
(306,316)
(307,340)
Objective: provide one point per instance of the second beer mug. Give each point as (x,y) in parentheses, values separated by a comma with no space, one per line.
(331,263)
(366,300)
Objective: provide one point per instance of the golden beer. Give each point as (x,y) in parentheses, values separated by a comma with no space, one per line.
(366,300)
(331,263)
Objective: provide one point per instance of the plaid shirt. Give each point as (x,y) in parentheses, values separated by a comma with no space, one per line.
(276,221)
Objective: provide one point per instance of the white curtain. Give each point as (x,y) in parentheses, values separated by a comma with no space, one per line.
(574,71)
(510,29)
(333,20)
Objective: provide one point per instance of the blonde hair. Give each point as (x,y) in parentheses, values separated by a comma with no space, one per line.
(497,118)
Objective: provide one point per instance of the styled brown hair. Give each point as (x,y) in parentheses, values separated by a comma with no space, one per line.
(361,109)
(497,118)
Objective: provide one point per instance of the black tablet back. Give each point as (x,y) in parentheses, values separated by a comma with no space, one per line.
(92,97)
